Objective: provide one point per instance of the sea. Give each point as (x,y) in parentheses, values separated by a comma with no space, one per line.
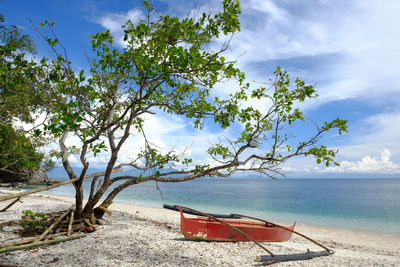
(359,204)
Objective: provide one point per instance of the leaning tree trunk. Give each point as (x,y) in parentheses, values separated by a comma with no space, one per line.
(89,210)
(92,201)
(72,175)
(99,212)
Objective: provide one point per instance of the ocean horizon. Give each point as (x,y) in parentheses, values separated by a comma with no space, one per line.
(359,204)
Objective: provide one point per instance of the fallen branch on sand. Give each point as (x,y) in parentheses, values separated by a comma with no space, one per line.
(42,243)
(65,228)
(11,204)
(54,224)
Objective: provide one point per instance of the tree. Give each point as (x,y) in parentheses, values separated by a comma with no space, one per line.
(17,151)
(19,98)
(167,66)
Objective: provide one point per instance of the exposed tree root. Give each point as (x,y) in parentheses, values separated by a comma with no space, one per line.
(99,213)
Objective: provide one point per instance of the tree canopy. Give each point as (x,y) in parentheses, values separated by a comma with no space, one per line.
(18,75)
(167,65)
(19,99)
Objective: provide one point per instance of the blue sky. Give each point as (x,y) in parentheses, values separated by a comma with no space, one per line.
(349,49)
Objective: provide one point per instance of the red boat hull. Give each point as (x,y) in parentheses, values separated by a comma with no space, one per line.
(210,229)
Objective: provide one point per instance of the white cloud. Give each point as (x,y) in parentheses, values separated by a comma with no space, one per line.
(371,147)
(162,131)
(273,32)
(114,22)
(269,7)
(73,159)
(373,134)
(368,164)
(168,132)
(361,36)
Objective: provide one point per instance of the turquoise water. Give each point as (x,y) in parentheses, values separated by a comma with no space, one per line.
(364,204)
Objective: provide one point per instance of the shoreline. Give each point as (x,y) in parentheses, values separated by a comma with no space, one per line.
(141,236)
(167,214)
(122,206)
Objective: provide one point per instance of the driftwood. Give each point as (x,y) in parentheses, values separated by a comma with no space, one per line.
(71,220)
(38,244)
(11,196)
(293,257)
(76,226)
(9,223)
(54,224)
(47,223)
(11,204)
(26,241)
(51,238)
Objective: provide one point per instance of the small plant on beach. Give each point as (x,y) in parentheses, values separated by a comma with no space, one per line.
(31,220)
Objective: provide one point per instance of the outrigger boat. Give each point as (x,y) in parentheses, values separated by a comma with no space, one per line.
(208,228)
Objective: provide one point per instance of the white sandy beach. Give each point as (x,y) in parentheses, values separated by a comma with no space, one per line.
(145,236)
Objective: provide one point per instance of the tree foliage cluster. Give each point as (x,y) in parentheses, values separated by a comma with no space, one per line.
(19,99)
(168,65)
(17,151)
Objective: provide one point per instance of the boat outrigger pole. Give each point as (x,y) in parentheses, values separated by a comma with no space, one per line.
(287,229)
(290,257)
(190,211)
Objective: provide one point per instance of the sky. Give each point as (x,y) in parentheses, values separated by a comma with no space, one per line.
(348,49)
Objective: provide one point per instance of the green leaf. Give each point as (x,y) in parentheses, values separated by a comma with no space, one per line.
(81,77)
